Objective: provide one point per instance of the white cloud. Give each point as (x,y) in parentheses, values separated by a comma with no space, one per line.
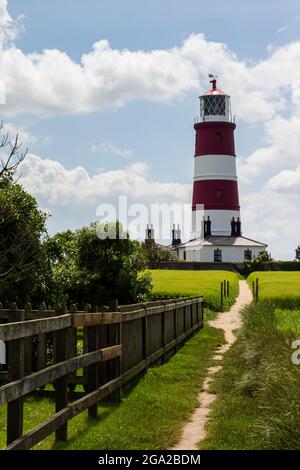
(286,182)
(51,181)
(273,218)
(72,196)
(281,150)
(9,29)
(25,136)
(109,148)
(282,29)
(52,83)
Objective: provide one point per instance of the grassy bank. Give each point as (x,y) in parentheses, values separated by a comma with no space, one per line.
(258,388)
(284,287)
(151,415)
(176,283)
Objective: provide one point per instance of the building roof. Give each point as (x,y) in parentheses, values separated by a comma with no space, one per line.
(214,90)
(222,241)
(165,247)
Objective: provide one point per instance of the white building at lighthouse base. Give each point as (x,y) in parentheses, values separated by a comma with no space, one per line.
(226,249)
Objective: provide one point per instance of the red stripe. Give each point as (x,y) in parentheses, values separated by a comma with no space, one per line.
(216,194)
(214,138)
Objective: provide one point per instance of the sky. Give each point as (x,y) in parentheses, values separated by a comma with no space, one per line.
(104,94)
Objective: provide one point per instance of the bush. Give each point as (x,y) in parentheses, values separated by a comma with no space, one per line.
(87,269)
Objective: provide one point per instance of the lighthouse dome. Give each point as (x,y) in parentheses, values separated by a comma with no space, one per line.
(215,104)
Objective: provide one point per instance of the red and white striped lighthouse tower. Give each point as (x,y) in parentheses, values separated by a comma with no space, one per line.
(216,226)
(215,207)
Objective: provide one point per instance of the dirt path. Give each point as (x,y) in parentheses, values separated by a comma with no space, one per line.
(194,430)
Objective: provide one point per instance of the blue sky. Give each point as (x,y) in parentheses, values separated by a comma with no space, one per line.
(248,44)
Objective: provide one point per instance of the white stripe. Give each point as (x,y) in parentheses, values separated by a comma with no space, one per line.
(220,221)
(215,167)
(215,177)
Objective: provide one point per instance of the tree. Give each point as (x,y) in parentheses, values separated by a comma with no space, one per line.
(10,160)
(96,270)
(22,227)
(155,253)
(258,262)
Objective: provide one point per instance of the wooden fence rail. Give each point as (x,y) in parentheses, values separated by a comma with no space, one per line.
(87,356)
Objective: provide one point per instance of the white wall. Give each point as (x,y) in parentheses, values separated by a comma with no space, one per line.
(220,222)
(232,254)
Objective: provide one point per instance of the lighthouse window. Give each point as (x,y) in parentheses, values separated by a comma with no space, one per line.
(219,137)
(248,255)
(217,255)
(213,105)
(219,194)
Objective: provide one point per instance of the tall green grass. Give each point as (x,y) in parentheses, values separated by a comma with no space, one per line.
(258,403)
(169,283)
(284,287)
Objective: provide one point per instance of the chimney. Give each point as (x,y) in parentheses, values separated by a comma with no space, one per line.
(149,232)
(233,227)
(176,235)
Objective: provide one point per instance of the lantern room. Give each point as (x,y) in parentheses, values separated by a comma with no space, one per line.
(215,105)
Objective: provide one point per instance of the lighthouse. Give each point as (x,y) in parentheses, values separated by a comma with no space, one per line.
(216,221)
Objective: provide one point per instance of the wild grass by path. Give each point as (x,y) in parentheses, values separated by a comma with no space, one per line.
(177,283)
(150,416)
(258,391)
(282,286)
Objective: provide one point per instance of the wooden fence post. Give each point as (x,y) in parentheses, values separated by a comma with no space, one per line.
(28,347)
(72,350)
(228,289)
(16,371)
(93,370)
(225,290)
(256,290)
(61,387)
(145,335)
(253,290)
(221,292)
(42,344)
(175,326)
(163,331)
(114,365)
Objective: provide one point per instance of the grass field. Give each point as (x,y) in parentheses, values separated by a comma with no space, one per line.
(284,286)
(177,283)
(258,388)
(150,416)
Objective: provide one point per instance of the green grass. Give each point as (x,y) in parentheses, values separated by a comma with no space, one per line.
(258,391)
(281,286)
(150,416)
(176,283)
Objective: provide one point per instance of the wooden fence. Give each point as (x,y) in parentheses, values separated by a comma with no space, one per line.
(87,356)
